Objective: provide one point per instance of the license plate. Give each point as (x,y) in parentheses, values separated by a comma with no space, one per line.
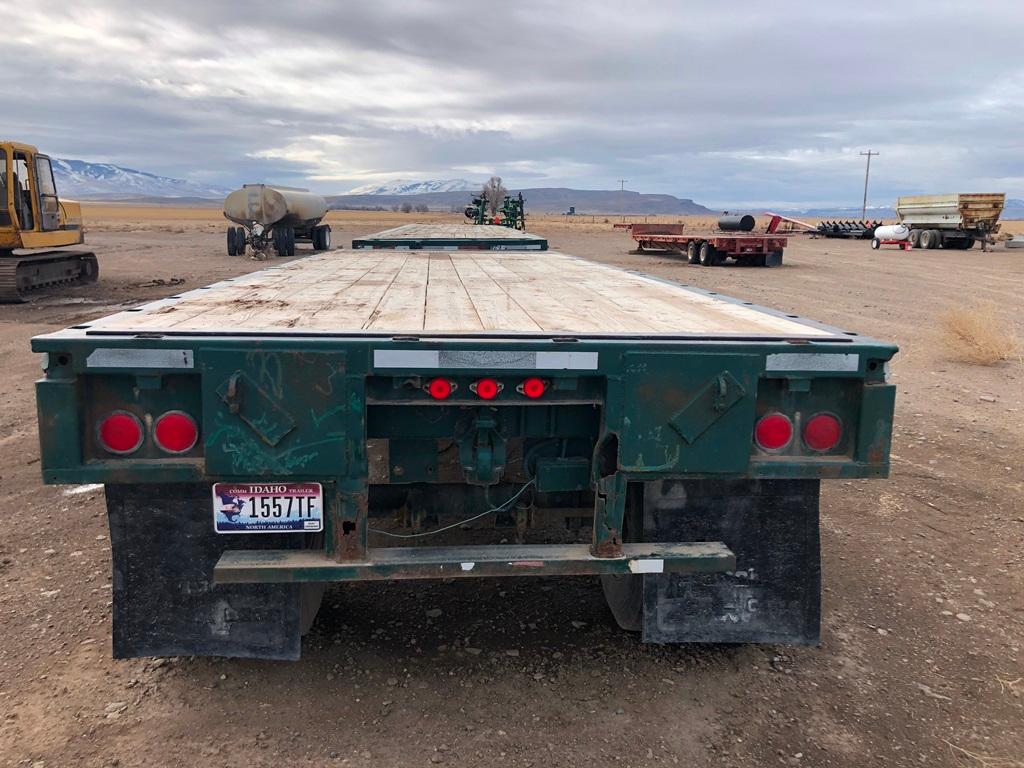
(268,507)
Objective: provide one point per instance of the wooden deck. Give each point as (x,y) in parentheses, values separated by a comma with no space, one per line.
(464,292)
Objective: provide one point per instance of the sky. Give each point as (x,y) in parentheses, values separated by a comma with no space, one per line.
(730,104)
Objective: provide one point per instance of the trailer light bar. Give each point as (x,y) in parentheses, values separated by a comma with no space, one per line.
(120,433)
(773,432)
(822,432)
(175,432)
(440,388)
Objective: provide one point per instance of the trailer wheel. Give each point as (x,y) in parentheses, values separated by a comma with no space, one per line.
(915,238)
(325,238)
(240,241)
(232,247)
(931,239)
(289,237)
(875,243)
(707,255)
(968,243)
(692,254)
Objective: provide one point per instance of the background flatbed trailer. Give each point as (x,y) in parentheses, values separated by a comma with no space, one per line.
(711,249)
(604,422)
(484,237)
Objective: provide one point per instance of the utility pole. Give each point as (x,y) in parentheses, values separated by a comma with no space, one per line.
(867,172)
(622,184)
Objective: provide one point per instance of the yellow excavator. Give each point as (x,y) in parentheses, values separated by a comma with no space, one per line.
(32,218)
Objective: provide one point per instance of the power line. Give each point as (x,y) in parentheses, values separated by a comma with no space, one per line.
(867,171)
(622,185)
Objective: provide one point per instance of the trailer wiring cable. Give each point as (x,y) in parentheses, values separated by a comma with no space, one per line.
(498,508)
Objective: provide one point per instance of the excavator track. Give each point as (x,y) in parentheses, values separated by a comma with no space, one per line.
(24,274)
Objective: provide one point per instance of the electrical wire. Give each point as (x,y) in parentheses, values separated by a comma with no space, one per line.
(498,508)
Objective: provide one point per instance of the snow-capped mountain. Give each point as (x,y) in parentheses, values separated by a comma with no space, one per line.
(413,187)
(77,178)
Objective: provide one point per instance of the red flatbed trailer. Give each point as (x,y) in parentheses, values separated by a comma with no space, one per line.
(711,249)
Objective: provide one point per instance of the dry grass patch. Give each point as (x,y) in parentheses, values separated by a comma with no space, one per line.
(976,334)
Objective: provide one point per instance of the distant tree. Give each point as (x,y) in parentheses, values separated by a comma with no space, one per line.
(494,190)
(395,207)
(422,208)
(406,207)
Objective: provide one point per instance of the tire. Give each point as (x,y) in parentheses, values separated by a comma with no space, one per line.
(277,240)
(915,238)
(289,235)
(707,255)
(692,254)
(928,239)
(968,243)
(240,241)
(232,247)
(326,237)
(875,243)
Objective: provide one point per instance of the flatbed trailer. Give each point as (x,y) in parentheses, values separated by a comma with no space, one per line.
(446,237)
(379,414)
(713,248)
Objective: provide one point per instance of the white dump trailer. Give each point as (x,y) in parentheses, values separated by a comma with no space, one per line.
(279,216)
(951,221)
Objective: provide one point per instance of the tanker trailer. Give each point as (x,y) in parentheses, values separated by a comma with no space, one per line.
(275,216)
(952,221)
(892,234)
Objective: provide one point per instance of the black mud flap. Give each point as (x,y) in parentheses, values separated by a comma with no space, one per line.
(165,601)
(774,596)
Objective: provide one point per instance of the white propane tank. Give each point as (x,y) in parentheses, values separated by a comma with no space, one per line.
(898,232)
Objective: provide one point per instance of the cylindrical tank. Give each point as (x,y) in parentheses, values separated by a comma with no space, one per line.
(266,205)
(736,223)
(892,232)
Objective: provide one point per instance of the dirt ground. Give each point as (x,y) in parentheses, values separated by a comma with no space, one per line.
(923,615)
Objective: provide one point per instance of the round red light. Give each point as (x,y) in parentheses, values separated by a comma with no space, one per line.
(774,431)
(175,432)
(533,387)
(439,389)
(822,432)
(487,389)
(120,432)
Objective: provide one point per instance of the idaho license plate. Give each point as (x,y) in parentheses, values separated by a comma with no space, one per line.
(268,507)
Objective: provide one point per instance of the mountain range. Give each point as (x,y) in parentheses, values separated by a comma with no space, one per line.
(99,181)
(413,187)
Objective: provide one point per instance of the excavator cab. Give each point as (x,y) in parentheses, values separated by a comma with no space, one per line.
(32,216)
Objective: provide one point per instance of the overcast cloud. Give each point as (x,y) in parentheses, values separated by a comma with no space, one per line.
(727,103)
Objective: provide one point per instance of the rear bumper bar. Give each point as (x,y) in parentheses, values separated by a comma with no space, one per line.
(272,566)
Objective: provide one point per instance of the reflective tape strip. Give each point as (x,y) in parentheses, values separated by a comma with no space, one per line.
(140,358)
(647,566)
(812,361)
(484,359)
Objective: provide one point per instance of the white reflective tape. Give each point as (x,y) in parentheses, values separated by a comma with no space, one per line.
(568,361)
(651,565)
(140,358)
(467,566)
(812,361)
(484,359)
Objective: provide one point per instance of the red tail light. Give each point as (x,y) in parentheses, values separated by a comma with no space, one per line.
(532,387)
(440,389)
(487,389)
(175,432)
(822,432)
(773,432)
(120,432)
